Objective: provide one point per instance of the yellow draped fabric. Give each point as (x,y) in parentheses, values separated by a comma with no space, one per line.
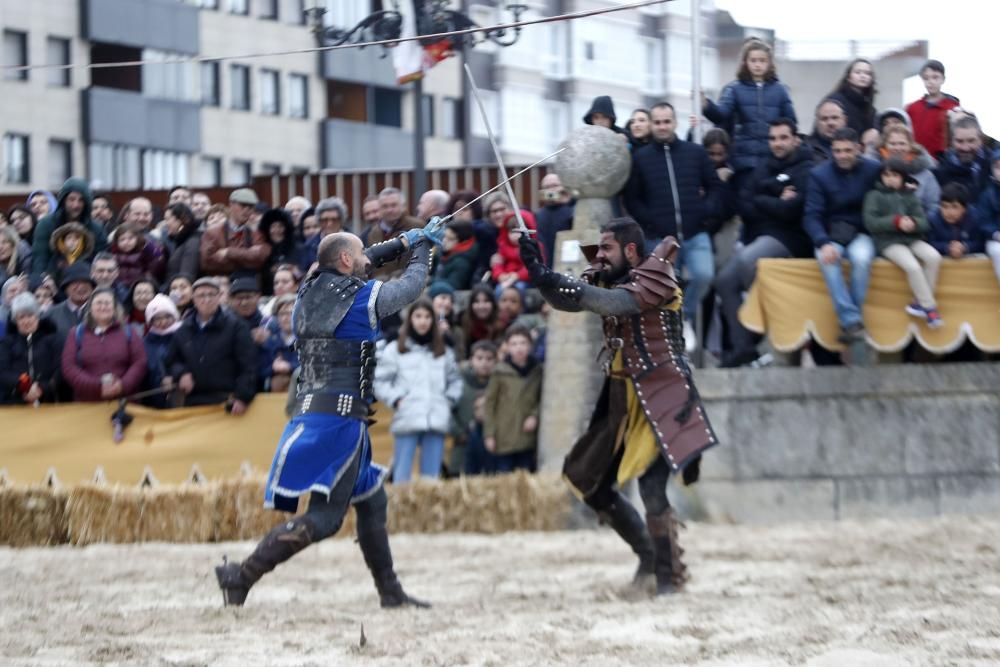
(789,302)
(637,437)
(75,439)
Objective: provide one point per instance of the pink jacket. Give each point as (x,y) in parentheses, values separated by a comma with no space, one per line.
(111,352)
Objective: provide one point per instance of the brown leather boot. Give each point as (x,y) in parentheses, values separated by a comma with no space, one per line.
(671,573)
(283,542)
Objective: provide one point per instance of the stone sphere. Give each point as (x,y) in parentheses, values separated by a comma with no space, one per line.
(596,162)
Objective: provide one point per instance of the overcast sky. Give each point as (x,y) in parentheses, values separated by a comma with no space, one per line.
(963,34)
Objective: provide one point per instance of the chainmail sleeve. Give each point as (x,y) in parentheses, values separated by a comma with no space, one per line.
(396,294)
(573,294)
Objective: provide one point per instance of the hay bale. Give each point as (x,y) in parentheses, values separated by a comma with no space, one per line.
(99,513)
(183,513)
(239,510)
(32,516)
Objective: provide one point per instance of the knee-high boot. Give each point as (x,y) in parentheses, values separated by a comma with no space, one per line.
(671,572)
(283,542)
(626,521)
(374,542)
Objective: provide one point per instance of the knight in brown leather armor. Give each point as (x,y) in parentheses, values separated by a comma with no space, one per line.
(649,420)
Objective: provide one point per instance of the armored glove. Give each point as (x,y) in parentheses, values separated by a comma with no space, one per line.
(531,255)
(412,236)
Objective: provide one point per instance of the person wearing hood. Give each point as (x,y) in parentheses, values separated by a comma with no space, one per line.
(748,104)
(29,355)
(508,270)
(163,320)
(73,207)
(897,144)
(771,205)
(279,234)
(184,235)
(602,114)
(41,203)
(70,243)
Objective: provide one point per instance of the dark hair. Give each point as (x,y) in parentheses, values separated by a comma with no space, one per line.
(517,330)
(130,301)
(662,105)
(626,230)
(463,230)
(787,122)
(437,340)
(845,134)
(967,122)
(755,44)
(716,136)
(483,346)
(176,188)
(183,213)
(955,193)
(104,256)
(934,66)
(467,317)
(895,166)
(465,196)
(868,94)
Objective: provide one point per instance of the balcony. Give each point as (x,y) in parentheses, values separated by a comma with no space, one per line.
(352,145)
(363,66)
(166,25)
(128,117)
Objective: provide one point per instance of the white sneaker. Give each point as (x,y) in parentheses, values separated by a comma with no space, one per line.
(690,339)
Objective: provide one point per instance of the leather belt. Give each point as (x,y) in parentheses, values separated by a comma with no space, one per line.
(344,405)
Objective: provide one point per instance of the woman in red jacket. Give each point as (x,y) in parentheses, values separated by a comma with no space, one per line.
(103,358)
(506,267)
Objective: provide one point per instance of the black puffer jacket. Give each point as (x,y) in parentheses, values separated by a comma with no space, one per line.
(40,358)
(649,196)
(222,358)
(763,210)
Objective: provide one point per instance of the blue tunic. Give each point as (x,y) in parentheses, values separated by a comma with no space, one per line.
(315,449)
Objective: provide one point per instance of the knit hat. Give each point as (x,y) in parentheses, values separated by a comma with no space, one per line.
(243,285)
(440,287)
(161,305)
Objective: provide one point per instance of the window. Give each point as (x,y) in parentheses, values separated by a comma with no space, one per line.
(15,54)
(491,100)
(557,60)
(298,95)
(209,172)
(57,53)
(208,4)
(15,158)
(340,14)
(60,162)
(388,107)
(210,84)
(114,167)
(427,107)
(240,172)
(239,87)
(167,80)
(652,80)
(163,169)
(588,50)
(238,6)
(270,169)
(452,121)
(270,92)
(267,9)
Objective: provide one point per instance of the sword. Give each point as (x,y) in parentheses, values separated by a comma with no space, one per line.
(496,150)
(505,181)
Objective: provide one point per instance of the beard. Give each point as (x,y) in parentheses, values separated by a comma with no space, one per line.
(612,273)
(363,272)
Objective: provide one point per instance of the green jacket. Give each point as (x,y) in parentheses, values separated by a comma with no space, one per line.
(41,255)
(510,399)
(456,268)
(881,210)
(463,414)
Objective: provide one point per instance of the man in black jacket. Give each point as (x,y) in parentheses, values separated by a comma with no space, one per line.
(771,205)
(212,358)
(673,191)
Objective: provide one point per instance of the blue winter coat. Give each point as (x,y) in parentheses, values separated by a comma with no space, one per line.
(649,196)
(969,231)
(988,209)
(975,175)
(748,107)
(836,196)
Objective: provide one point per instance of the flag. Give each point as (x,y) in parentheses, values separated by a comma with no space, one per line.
(411,59)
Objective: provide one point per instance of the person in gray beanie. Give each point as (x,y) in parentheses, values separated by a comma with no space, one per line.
(29,355)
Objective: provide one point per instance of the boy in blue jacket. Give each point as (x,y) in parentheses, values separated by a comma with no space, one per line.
(955,228)
(988,210)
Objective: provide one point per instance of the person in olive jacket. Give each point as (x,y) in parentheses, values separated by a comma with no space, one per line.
(510,410)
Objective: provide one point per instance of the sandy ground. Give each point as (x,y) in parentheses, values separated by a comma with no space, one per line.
(851,593)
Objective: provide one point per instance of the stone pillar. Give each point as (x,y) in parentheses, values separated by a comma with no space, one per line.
(595,165)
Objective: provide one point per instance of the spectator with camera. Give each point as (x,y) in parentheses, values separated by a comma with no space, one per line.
(555,214)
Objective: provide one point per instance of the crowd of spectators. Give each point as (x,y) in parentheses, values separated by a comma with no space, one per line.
(190,302)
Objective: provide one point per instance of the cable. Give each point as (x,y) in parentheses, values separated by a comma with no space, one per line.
(320,49)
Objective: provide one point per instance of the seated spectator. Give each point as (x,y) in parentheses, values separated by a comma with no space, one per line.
(555,214)
(510,409)
(184,238)
(833,220)
(243,299)
(480,319)
(212,358)
(78,285)
(457,261)
(139,296)
(956,230)
(724,226)
(507,268)
(510,306)
(235,247)
(830,117)
(468,452)
(286,281)
(772,204)
(29,355)
(70,243)
(103,358)
(442,297)
(431,203)
(15,254)
(895,219)
(163,320)
(279,234)
(487,230)
(417,376)
(309,238)
(457,207)
(181,293)
(137,256)
(295,207)
(23,221)
(930,113)
(989,213)
(965,162)
(278,357)
(45,291)
(73,206)
(898,144)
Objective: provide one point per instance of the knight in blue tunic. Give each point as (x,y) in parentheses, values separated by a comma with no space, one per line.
(325,450)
